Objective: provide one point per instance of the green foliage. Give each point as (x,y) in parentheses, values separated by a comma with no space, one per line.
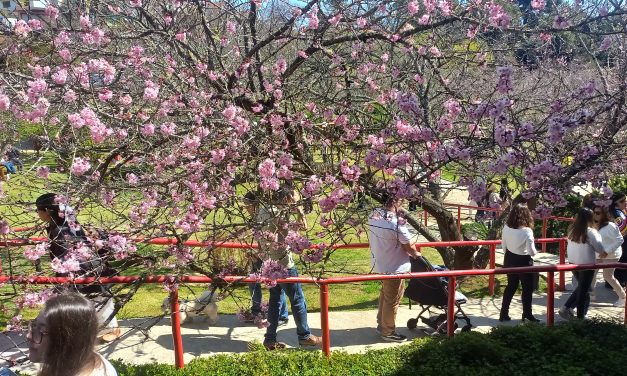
(574,348)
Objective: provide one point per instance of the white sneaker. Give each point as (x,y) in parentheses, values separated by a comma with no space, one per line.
(619,303)
(566,313)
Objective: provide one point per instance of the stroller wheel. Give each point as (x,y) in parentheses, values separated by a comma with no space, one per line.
(466,328)
(412,323)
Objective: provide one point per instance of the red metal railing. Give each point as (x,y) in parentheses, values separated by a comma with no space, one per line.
(324,291)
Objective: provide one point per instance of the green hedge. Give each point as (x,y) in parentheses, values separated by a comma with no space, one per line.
(576,348)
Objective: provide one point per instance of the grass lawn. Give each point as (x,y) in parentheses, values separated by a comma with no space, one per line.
(23,188)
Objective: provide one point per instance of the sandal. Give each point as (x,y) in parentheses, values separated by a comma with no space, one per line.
(274,345)
(111,335)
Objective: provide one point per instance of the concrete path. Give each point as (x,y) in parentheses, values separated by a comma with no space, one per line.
(350,331)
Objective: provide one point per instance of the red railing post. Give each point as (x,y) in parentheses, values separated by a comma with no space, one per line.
(450,309)
(550,299)
(544,224)
(324,319)
(492,266)
(459,219)
(562,281)
(176,328)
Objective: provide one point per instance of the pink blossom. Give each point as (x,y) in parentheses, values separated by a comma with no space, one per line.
(606,43)
(151,91)
(84,22)
(4,227)
(271,270)
(75,120)
(498,17)
(70,96)
(51,12)
(60,77)
(5,102)
(21,28)
(412,7)
(312,18)
(43,172)
(148,129)
(435,51)
(361,22)
(603,11)
(132,179)
(335,20)
(168,129)
(181,36)
(35,24)
(230,112)
(231,27)
(267,168)
(538,4)
(65,55)
(105,95)
(297,242)
(424,19)
(560,22)
(80,166)
(34,253)
(125,100)
(66,266)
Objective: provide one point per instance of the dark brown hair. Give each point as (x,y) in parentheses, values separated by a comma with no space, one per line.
(520,216)
(605,215)
(72,327)
(578,230)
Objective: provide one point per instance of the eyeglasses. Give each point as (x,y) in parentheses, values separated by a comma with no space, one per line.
(36,334)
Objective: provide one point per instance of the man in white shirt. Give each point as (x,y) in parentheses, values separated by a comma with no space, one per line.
(390,250)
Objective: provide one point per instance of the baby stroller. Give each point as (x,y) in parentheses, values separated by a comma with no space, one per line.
(432,293)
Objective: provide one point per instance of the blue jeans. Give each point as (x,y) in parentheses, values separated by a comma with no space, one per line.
(294,292)
(256,295)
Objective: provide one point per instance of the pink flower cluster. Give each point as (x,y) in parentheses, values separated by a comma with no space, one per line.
(80,166)
(270,271)
(297,242)
(339,196)
(34,253)
(120,245)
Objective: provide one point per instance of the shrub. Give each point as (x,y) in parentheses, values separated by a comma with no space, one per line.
(575,348)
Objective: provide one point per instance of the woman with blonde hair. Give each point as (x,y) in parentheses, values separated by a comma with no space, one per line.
(63,336)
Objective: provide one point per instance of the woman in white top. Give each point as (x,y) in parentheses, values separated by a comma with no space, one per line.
(612,241)
(62,337)
(584,242)
(519,247)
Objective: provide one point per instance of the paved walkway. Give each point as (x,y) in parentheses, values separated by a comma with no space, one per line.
(352,331)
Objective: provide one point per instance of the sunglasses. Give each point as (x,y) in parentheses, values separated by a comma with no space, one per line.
(36,334)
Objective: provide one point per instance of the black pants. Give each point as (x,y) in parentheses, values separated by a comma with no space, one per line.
(513,260)
(621,274)
(581,296)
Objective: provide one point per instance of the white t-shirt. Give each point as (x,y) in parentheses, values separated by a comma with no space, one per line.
(386,236)
(518,241)
(105,368)
(612,240)
(585,253)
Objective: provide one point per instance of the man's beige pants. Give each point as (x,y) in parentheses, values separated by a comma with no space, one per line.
(389,300)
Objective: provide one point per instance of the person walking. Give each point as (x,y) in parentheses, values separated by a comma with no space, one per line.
(64,232)
(519,246)
(390,247)
(618,211)
(612,241)
(583,242)
(62,338)
(275,221)
(256,294)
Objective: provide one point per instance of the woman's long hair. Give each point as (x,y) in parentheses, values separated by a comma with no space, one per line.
(617,196)
(578,230)
(72,327)
(520,216)
(47,202)
(605,215)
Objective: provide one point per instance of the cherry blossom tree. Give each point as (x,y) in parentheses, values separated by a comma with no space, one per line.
(163,114)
